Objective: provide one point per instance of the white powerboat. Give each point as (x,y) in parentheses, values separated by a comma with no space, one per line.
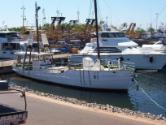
(147,57)
(111,39)
(10,42)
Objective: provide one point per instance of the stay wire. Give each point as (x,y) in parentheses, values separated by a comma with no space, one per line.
(149,97)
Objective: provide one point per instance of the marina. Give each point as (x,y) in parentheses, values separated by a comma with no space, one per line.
(65,71)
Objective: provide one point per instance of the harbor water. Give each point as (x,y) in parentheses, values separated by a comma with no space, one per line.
(147,95)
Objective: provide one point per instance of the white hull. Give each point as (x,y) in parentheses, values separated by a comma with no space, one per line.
(110,80)
(7,54)
(140,61)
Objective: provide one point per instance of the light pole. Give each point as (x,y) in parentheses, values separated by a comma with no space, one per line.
(23,16)
(78,16)
(157,16)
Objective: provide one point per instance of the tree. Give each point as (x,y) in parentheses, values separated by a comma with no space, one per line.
(151,30)
(140,30)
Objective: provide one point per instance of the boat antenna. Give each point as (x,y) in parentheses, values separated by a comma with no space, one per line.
(97,30)
(37,8)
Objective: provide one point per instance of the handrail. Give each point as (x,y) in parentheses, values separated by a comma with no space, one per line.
(13,91)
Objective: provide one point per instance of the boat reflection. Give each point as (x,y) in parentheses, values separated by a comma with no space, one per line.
(113,98)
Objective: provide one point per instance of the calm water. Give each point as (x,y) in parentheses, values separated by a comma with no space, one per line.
(151,96)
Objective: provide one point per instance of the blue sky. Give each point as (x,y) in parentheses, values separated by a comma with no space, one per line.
(143,12)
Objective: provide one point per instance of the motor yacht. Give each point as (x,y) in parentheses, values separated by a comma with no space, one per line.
(146,57)
(10,42)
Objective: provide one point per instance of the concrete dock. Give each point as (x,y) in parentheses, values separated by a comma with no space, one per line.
(6,66)
(47,111)
(6,63)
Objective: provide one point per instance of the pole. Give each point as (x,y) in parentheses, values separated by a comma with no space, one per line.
(157,15)
(23,17)
(97,30)
(37,8)
(78,16)
(44,17)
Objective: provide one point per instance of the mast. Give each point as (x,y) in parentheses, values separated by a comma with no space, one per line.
(97,30)
(37,8)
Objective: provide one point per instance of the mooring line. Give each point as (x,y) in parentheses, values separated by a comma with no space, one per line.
(149,97)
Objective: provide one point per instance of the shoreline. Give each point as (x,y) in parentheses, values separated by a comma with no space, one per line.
(109,110)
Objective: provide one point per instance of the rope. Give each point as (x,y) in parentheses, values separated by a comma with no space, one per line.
(100,15)
(107,4)
(90,9)
(150,98)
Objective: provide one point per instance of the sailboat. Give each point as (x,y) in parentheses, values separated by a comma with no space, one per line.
(91,75)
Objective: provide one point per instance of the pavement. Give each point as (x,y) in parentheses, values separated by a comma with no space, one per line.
(47,111)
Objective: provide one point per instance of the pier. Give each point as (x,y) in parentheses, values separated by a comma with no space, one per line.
(6,66)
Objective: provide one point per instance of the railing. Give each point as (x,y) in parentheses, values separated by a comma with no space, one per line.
(12,114)
(113,65)
(12,91)
(121,65)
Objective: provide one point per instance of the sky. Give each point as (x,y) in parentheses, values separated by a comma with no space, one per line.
(115,12)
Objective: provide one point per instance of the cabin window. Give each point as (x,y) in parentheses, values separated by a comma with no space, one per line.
(10,46)
(10,36)
(2,35)
(119,34)
(108,50)
(112,35)
(107,35)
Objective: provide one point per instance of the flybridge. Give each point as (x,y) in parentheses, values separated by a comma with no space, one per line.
(8,36)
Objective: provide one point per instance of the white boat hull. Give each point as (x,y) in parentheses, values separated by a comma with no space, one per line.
(110,80)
